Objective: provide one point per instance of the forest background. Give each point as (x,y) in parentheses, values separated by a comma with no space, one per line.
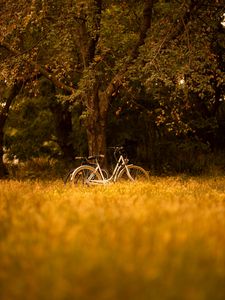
(77,77)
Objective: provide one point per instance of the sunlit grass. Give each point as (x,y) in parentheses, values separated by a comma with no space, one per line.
(164,239)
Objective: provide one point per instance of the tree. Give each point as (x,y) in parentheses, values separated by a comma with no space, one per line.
(85,72)
(23,27)
(182,66)
(166,54)
(107,68)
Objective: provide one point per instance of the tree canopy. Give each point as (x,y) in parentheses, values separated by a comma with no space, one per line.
(87,74)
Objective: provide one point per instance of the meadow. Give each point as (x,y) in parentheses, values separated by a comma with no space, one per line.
(164,239)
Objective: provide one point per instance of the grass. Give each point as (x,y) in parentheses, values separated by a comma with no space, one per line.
(164,239)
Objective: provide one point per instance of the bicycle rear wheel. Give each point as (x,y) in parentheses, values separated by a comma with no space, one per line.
(84,174)
(134,173)
(68,177)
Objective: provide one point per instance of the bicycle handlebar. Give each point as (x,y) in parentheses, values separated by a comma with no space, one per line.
(117,148)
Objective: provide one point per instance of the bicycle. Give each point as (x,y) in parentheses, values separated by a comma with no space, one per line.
(87,174)
(85,161)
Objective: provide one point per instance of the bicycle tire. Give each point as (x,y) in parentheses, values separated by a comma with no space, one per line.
(136,173)
(67,178)
(83,174)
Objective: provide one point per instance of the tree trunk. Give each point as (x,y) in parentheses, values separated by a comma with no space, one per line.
(98,101)
(3,169)
(96,121)
(8,95)
(63,128)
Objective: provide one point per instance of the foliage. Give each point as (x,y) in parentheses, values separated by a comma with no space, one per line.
(171,92)
(30,130)
(183,65)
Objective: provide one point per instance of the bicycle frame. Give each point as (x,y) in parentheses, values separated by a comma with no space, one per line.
(121,163)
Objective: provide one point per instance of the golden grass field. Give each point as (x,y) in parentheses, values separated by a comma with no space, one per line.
(164,239)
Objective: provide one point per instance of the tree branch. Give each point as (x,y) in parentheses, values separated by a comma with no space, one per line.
(94,40)
(145,26)
(12,93)
(40,69)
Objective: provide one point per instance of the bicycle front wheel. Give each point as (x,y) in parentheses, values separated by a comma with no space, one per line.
(133,173)
(84,174)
